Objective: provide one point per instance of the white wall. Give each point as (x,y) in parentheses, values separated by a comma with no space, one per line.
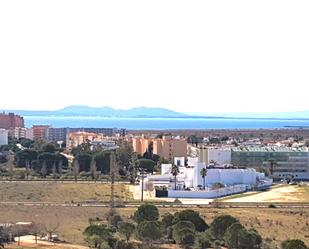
(208,194)
(3,137)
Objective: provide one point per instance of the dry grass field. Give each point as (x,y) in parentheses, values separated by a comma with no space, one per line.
(275,224)
(60,192)
(280,193)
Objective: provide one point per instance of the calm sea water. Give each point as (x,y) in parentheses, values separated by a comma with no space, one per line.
(163,123)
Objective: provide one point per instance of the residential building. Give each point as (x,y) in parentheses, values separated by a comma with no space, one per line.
(166,147)
(287,162)
(10,121)
(57,134)
(18,132)
(3,137)
(77,138)
(105,131)
(40,132)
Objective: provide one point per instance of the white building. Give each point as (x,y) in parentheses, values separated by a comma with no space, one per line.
(4,135)
(219,156)
(189,181)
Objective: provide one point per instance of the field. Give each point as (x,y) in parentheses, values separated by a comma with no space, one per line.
(60,192)
(275,224)
(281,193)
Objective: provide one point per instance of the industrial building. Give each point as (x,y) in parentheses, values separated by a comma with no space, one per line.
(283,162)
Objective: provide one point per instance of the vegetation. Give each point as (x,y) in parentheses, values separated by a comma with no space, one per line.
(146,212)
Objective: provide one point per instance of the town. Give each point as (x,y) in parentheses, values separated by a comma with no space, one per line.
(116,169)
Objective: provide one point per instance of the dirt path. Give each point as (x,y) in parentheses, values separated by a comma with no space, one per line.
(29,241)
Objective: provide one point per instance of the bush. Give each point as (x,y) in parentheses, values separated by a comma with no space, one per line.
(293,244)
(146,212)
(220,224)
(202,241)
(149,231)
(271,206)
(192,216)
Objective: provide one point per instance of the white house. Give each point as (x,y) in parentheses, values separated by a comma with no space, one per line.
(190,178)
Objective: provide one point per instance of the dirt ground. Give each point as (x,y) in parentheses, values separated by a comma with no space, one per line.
(284,193)
(60,192)
(276,224)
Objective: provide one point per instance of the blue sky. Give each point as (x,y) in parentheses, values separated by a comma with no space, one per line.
(189,56)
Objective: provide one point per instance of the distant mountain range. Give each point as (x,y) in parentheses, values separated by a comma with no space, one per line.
(86,111)
(148,112)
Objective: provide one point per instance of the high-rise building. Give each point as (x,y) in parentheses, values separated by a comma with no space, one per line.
(57,134)
(10,121)
(40,132)
(19,132)
(3,137)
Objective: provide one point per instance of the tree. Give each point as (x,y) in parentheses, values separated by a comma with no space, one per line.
(293,244)
(44,169)
(49,147)
(51,227)
(175,172)
(127,229)
(93,169)
(146,212)
(95,241)
(220,224)
(149,231)
(167,220)
(132,168)
(147,165)
(192,216)
(97,234)
(202,241)
(231,236)
(121,244)
(204,174)
(49,158)
(25,155)
(84,160)
(75,169)
(249,239)
(184,233)
(102,160)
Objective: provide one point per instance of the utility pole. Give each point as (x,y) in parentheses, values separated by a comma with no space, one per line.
(142,193)
(112,175)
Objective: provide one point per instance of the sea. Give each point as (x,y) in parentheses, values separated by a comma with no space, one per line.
(165,123)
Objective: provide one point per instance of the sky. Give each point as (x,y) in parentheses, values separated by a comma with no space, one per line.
(188,56)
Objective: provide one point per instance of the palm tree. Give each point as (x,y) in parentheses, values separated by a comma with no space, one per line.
(204,174)
(175,172)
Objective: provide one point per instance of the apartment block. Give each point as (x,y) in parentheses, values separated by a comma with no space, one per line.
(10,121)
(167,147)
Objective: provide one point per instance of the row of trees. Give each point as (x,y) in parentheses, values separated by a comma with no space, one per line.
(186,228)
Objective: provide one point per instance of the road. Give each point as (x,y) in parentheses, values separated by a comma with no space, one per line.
(167,205)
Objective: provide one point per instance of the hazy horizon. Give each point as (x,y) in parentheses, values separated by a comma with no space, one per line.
(189,57)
